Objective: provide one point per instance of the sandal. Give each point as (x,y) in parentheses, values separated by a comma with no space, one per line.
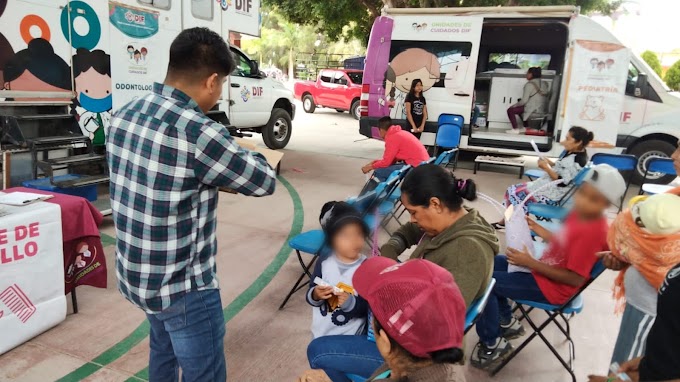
(498,226)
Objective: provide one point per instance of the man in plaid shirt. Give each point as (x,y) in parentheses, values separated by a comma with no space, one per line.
(167,160)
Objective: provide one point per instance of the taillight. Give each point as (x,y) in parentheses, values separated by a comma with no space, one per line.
(366,88)
(363,103)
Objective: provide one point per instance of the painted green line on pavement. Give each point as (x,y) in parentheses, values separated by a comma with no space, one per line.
(241,301)
(107,240)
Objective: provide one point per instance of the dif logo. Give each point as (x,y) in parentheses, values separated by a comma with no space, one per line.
(244,5)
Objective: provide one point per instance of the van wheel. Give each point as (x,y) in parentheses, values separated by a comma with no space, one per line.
(354,110)
(278,130)
(308,104)
(647,150)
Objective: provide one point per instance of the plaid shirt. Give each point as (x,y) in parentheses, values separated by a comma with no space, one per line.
(167,160)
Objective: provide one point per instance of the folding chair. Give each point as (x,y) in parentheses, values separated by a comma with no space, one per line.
(444,158)
(657,166)
(477,307)
(558,212)
(449,130)
(570,308)
(625,163)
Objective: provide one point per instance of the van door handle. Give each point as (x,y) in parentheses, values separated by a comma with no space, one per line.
(235,85)
(503,99)
(510,100)
(461,94)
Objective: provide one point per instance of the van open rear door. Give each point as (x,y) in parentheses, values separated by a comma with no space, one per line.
(439,50)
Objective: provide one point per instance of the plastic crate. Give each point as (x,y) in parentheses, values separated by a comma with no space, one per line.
(43,184)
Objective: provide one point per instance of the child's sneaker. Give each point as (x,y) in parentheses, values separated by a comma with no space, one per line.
(488,358)
(512,330)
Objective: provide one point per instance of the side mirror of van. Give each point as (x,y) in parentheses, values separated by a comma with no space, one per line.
(641,86)
(254,68)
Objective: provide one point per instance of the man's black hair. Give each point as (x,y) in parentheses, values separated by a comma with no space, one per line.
(198,53)
(384,123)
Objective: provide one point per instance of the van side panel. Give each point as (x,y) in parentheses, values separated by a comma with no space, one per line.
(377,59)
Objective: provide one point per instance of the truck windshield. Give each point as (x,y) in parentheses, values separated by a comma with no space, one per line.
(356,77)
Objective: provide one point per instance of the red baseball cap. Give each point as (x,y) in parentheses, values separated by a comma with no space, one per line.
(416,302)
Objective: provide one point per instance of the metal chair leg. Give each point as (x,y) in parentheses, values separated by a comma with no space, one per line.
(74,300)
(299,284)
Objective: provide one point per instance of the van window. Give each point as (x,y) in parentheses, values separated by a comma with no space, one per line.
(202,9)
(631,82)
(340,78)
(356,77)
(447,53)
(517,61)
(162,4)
(243,68)
(326,77)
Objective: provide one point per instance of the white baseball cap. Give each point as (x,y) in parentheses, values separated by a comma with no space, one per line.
(608,181)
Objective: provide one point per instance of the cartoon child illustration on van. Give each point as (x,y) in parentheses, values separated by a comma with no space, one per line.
(131,51)
(92,74)
(144,52)
(37,68)
(405,67)
(593,110)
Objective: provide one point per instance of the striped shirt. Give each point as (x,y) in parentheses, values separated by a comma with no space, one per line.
(167,160)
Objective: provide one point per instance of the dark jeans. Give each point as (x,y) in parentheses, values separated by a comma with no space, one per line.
(513,113)
(189,335)
(341,355)
(475,115)
(514,286)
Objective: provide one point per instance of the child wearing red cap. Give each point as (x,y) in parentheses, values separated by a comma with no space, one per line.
(562,269)
(337,312)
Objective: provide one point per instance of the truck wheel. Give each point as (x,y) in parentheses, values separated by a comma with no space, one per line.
(278,130)
(354,110)
(308,104)
(646,150)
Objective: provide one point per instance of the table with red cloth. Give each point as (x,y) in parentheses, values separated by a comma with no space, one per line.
(84,261)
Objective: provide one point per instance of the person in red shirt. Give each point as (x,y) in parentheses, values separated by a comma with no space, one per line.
(401,147)
(559,273)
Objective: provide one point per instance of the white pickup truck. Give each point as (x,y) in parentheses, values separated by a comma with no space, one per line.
(256,103)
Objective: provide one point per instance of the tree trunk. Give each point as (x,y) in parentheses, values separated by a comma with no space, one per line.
(291,65)
(373,11)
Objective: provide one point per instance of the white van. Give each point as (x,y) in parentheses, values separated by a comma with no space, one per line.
(102,54)
(484,53)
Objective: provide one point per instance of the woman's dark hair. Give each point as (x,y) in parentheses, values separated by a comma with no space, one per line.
(452,355)
(412,91)
(581,135)
(431,181)
(535,71)
(39,59)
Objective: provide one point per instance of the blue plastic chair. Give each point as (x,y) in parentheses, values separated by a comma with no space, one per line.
(558,212)
(477,307)
(572,307)
(449,130)
(445,157)
(658,166)
(625,163)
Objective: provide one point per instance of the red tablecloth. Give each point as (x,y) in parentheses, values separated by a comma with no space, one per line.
(84,262)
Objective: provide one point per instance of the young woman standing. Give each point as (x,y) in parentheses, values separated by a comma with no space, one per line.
(416,108)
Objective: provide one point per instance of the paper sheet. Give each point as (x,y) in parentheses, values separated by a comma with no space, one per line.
(22,198)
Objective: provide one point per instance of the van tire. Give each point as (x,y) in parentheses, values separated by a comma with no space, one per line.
(308,104)
(649,149)
(276,134)
(354,110)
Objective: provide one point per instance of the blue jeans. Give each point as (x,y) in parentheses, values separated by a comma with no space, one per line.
(189,335)
(475,115)
(383,173)
(340,355)
(514,286)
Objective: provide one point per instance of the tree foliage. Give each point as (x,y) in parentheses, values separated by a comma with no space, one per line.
(332,17)
(653,61)
(673,76)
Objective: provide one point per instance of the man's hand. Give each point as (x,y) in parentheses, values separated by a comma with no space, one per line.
(314,376)
(632,368)
(342,297)
(322,293)
(367,168)
(610,261)
(520,258)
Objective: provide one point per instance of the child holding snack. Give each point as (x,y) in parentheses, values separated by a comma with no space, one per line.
(337,310)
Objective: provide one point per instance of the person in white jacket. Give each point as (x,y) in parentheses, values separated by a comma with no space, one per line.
(534,100)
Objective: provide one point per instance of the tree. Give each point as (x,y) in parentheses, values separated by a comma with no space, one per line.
(653,61)
(673,76)
(331,17)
